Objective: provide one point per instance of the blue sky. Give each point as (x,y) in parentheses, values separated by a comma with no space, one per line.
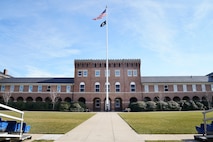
(42,38)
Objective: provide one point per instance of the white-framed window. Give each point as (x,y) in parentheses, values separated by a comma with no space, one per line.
(156,88)
(68,88)
(48,88)
(132,87)
(166,88)
(97,87)
(97,73)
(108,87)
(30,88)
(39,88)
(85,73)
(212,87)
(194,88)
(79,73)
(129,72)
(108,73)
(58,88)
(117,73)
(146,88)
(175,88)
(117,87)
(184,88)
(82,87)
(203,87)
(21,88)
(135,73)
(12,87)
(2,88)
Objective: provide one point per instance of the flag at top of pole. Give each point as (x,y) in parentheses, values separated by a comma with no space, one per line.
(100,16)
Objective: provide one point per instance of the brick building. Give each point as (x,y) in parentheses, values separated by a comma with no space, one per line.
(125,85)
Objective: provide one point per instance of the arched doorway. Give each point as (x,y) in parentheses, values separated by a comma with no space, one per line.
(83,100)
(96,104)
(176,99)
(133,99)
(118,104)
(146,99)
(39,99)
(68,99)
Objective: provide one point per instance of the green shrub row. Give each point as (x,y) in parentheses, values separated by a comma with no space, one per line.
(167,106)
(48,106)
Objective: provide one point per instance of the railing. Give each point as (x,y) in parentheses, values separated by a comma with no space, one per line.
(205,119)
(21,119)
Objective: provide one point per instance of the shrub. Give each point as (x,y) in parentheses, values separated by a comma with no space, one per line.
(137,106)
(76,107)
(161,105)
(151,105)
(172,105)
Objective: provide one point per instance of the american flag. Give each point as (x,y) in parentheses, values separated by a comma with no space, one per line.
(100,16)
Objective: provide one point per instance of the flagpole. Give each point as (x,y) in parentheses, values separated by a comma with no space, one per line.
(107,67)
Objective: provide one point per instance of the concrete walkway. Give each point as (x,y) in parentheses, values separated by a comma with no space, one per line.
(107,127)
(103,127)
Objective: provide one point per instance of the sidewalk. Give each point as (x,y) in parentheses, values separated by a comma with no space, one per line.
(103,127)
(108,127)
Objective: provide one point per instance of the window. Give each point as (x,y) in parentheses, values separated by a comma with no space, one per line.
(30,88)
(48,88)
(184,88)
(2,88)
(166,88)
(68,88)
(212,87)
(39,88)
(194,87)
(175,87)
(21,88)
(58,88)
(97,87)
(12,88)
(146,88)
(117,73)
(203,86)
(135,73)
(108,87)
(117,87)
(79,73)
(129,72)
(132,87)
(97,73)
(156,88)
(108,73)
(82,87)
(85,73)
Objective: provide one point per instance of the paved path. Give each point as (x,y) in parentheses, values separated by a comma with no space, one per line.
(107,127)
(103,127)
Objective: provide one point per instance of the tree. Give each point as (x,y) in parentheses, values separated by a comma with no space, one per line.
(54,97)
(6,97)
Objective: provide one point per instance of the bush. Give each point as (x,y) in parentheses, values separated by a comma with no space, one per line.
(151,106)
(172,105)
(65,106)
(161,105)
(137,106)
(76,107)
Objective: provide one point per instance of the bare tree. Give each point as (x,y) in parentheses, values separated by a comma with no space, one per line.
(6,97)
(54,96)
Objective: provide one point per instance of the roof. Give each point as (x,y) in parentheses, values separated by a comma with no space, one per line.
(174,79)
(37,80)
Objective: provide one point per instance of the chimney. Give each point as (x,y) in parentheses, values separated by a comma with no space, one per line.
(5,72)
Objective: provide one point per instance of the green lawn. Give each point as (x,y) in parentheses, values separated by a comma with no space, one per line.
(163,122)
(53,122)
